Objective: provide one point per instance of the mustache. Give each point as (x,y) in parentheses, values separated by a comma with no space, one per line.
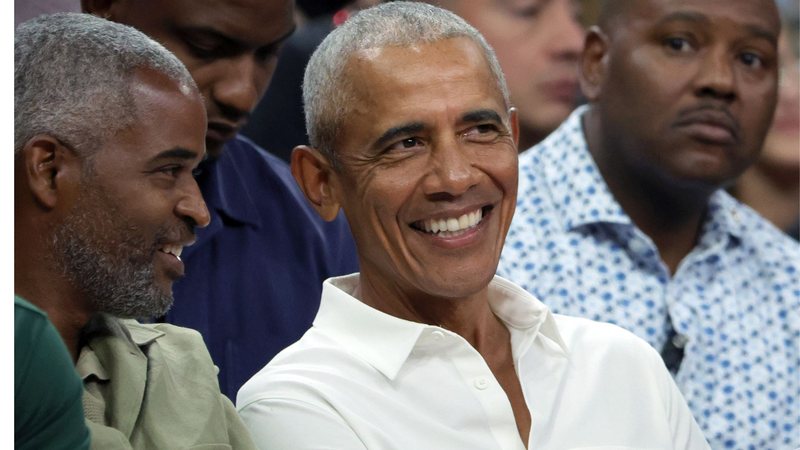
(712,114)
(179,233)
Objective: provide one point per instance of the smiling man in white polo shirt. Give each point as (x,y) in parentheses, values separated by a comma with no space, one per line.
(414,138)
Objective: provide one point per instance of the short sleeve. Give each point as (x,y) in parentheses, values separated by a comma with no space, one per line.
(47,391)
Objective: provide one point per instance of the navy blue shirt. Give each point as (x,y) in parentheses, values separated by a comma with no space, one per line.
(254,277)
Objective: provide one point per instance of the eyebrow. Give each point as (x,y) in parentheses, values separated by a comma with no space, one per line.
(687,16)
(175,153)
(481,115)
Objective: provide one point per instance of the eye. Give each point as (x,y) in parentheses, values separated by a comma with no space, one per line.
(528,12)
(752,60)
(677,44)
(172,170)
(406,144)
(485,132)
(204,47)
(268,53)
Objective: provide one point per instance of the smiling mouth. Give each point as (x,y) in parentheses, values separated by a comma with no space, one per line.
(452,226)
(174,250)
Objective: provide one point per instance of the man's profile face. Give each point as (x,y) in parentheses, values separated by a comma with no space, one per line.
(229,46)
(427,144)
(537,43)
(690,87)
(138,204)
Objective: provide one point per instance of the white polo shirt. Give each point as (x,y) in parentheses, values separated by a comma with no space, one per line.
(362,379)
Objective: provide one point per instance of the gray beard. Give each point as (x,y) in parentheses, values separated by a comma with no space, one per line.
(115,274)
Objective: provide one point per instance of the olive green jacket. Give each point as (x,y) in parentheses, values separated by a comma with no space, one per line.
(154,386)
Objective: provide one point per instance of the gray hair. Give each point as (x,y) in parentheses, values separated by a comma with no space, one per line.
(326,95)
(72,78)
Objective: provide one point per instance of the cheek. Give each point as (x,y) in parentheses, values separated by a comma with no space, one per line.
(263,75)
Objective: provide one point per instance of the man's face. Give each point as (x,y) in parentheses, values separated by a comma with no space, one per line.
(427,144)
(229,46)
(689,88)
(537,43)
(137,204)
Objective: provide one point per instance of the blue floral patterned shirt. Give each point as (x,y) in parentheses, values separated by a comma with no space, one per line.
(734,300)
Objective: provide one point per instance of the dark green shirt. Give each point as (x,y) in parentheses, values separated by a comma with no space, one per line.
(47,391)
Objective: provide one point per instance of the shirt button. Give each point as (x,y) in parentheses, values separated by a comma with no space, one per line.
(680,340)
(437,336)
(481,383)
(637,246)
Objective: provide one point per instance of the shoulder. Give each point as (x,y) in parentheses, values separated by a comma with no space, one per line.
(593,340)
(267,178)
(763,243)
(249,157)
(306,371)
(24,310)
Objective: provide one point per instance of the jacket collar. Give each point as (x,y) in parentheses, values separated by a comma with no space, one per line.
(112,355)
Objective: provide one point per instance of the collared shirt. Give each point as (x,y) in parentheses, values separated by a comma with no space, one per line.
(362,379)
(254,276)
(734,300)
(153,386)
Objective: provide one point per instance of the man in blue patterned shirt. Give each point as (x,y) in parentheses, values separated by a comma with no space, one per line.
(621,218)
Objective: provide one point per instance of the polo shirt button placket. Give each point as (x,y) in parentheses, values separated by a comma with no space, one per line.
(481,383)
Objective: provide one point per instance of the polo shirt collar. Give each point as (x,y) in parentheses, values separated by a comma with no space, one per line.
(385,342)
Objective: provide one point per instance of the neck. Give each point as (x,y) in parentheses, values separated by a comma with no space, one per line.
(669,212)
(38,280)
(773,191)
(469,317)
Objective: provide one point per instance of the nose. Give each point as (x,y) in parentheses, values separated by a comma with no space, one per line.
(191,206)
(567,33)
(715,75)
(240,85)
(451,171)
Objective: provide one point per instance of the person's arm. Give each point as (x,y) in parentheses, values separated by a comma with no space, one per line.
(685,431)
(288,424)
(238,435)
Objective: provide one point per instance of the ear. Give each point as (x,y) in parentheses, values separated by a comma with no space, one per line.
(593,64)
(314,174)
(100,8)
(513,121)
(50,170)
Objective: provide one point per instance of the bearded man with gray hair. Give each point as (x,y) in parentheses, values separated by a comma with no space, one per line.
(108,128)
(413,136)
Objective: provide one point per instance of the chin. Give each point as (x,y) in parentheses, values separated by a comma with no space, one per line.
(460,286)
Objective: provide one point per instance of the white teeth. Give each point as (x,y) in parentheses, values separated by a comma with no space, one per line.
(174,250)
(453,224)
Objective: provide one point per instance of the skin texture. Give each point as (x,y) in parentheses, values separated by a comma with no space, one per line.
(428,136)
(230,47)
(683,93)
(537,43)
(131,198)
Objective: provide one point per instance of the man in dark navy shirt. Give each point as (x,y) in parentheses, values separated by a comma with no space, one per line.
(255,274)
